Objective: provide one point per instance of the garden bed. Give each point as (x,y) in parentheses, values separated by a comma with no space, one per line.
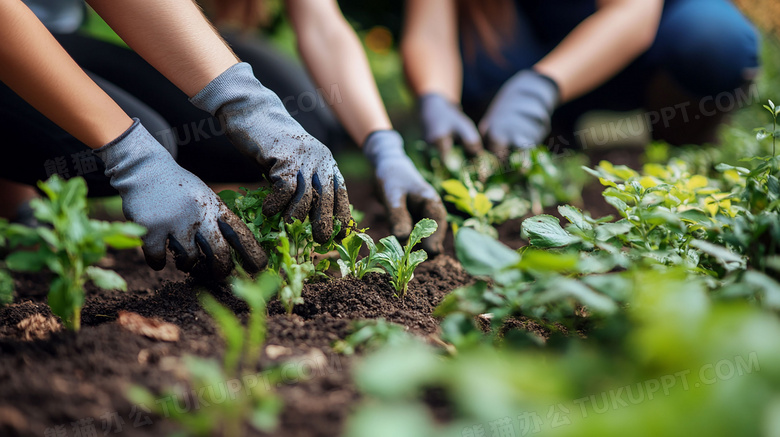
(78,380)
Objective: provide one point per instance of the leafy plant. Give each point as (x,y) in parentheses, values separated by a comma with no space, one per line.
(484,214)
(531,179)
(349,250)
(290,246)
(400,262)
(70,246)
(226,414)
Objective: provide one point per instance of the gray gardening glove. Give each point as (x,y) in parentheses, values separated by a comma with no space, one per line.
(520,114)
(306,180)
(443,122)
(404,192)
(175,206)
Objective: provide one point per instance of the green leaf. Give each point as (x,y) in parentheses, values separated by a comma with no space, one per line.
(424,228)
(24,261)
(391,249)
(575,217)
(106,279)
(121,242)
(545,231)
(608,231)
(65,301)
(416,258)
(482,255)
(544,261)
(769,287)
(727,258)
(509,209)
(564,287)
(456,189)
(368,240)
(6,288)
(229,197)
(256,293)
(230,329)
(408,420)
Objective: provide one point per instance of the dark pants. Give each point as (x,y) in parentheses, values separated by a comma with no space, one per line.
(706,47)
(34,147)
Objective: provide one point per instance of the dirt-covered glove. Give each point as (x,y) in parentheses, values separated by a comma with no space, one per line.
(175,206)
(306,180)
(443,122)
(520,114)
(404,192)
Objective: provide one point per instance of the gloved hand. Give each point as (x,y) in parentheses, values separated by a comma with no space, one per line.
(305,177)
(175,206)
(404,192)
(444,121)
(520,114)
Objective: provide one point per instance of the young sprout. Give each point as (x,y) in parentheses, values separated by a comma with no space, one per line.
(70,247)
(400,262)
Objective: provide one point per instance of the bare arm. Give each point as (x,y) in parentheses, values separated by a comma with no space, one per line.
(430,48)
(37,68)
(173,36)
(335,57)
(602,45)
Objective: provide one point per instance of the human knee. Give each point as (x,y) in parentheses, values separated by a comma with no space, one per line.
(714,52)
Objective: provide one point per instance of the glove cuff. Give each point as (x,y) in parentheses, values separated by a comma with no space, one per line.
(383,144)
(133,145)
(233,85)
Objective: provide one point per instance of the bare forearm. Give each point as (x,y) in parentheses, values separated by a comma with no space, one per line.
(335,57)
(173,36)
(430,48)
(602,45)
(37,68)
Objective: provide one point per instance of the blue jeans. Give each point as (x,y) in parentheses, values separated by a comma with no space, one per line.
(706,46)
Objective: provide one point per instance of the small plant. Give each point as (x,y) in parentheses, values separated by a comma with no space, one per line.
(295,276)
(484,213)
(349,251)
(290,246)
(400,262)
(762,133)
(70,247)
(370,335)
(226,414)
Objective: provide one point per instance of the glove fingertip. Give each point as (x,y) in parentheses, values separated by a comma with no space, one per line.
(219,263)
(154,259)
(278,199)
(253,257)
(184,261)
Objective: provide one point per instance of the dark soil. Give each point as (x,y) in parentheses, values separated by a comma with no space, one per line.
(63,384)
(69,383)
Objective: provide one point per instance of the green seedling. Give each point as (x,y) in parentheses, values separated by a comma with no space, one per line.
(350,263)
(70,246)
(252,404)
(400,262)
(370,335)
(295,276)
(763,133)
